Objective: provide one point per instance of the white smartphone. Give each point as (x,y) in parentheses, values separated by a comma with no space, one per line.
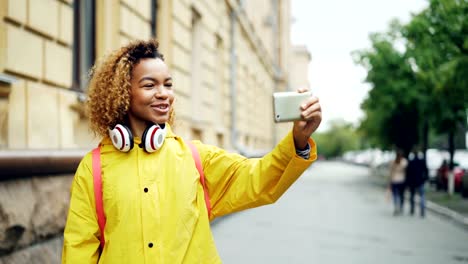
(287,105)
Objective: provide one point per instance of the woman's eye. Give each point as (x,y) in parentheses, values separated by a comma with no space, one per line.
(168,84)
(148,85)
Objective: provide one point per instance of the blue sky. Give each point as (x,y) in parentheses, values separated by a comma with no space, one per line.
(331,30)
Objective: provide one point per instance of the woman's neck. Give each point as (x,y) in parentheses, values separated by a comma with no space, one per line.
(137,127)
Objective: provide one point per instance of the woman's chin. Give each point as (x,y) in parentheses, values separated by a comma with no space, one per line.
(160,120)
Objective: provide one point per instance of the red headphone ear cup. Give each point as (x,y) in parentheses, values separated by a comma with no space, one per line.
(121,137)
(153,138)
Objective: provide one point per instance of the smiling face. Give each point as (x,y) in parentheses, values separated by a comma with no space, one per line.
(151,94)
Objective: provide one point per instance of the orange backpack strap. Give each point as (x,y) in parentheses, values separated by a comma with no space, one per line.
(97,179)
(198,164)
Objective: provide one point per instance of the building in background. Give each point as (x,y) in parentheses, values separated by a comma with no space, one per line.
(226,58)
(298,74)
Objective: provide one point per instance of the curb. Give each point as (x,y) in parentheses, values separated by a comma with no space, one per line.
(446,212)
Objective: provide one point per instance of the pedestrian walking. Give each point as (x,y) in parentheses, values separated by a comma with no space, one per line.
(158,192)
(416,177)
(397,181)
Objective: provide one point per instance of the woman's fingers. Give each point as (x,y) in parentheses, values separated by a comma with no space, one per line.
(302,90)
(310,101)
(311,108)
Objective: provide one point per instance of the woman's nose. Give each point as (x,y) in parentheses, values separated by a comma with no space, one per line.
(161,92)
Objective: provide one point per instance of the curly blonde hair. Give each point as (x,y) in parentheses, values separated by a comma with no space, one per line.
(109,87)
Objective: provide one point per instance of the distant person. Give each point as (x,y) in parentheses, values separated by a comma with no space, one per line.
(416,176)
(442,174)
(397,181)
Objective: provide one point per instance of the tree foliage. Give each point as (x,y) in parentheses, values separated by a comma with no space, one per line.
(438,43)
(339,138)
(424,84)
(392,109)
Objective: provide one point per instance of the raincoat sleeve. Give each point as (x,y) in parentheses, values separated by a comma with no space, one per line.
(236,183)
(81,235)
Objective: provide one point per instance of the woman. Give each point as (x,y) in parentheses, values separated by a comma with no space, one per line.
(397,181)
(153,200)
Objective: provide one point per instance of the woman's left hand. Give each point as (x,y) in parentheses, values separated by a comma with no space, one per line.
(312,116)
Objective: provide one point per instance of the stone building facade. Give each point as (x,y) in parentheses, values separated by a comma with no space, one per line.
(226,57)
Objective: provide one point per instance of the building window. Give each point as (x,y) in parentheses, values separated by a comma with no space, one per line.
(84,43)
(196,134)
(219,103)
(196,64)
(154,17)
(220,140)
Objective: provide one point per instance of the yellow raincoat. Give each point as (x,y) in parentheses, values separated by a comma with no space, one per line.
(154,203)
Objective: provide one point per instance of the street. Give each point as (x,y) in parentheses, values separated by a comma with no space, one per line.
(335,214)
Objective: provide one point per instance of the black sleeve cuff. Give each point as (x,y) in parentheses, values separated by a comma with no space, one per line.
(305,153)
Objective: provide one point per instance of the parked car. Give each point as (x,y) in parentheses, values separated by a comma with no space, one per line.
(464,185)
(442,177)
(434,159)
(461,156)
(460,170)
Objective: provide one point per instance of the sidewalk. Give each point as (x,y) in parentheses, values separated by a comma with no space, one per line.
(452,207)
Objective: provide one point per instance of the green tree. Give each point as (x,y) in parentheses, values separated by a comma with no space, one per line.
(392,107)
(339,138)
(437,42)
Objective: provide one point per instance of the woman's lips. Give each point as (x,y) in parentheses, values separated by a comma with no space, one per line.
(161,108)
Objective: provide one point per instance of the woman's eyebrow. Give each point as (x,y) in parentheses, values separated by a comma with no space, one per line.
(147,79)
(153,80)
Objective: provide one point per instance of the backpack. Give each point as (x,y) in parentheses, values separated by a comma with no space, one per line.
(97,180)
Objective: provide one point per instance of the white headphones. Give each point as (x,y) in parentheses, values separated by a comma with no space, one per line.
(151,140)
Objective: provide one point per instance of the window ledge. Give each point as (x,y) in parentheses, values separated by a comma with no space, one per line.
(5,84)
(79,108)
